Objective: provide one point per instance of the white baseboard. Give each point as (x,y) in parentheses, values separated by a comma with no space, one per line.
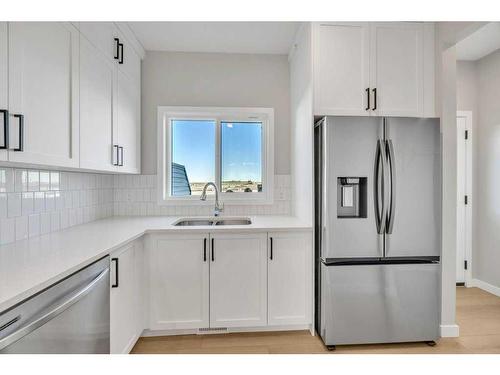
(485,286)
(449,330)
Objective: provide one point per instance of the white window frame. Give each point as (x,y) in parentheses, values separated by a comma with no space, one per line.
(164,153)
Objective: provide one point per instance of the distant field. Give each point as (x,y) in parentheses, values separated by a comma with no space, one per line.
(234,186)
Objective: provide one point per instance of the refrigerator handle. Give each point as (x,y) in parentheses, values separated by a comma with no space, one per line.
(392,183)
(379,187)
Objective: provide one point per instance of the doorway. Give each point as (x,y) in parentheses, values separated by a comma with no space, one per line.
(464,198)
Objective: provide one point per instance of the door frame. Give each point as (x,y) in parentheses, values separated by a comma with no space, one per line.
(467,176)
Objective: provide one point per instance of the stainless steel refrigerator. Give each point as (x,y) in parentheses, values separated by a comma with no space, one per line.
(377,229)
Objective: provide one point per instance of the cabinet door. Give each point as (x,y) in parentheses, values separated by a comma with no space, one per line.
(4,88)
(43,87)
(238,280)
(397,68)
(179,282)
(129,62)
(290,278)
(127,123)
(96,109)
(124,300)
(102,36)
(341,69)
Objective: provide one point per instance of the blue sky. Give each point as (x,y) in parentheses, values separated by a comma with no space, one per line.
(194,147)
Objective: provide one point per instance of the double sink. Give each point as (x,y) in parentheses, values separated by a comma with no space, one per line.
(213,221)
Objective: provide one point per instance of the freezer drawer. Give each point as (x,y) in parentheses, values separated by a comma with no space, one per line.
(363,304)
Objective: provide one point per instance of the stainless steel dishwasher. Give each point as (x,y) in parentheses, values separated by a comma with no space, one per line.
(71,316)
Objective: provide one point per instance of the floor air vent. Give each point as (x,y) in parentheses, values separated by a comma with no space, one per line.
(208,331)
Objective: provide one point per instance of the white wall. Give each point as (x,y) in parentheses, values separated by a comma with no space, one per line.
(487,251)
(302,124)
(215,79)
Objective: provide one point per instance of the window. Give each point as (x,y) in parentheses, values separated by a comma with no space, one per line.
(228,146)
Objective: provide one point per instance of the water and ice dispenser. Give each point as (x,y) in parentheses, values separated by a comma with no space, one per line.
(351,197)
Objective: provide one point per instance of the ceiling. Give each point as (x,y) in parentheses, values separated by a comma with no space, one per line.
(480,43)
(224,37)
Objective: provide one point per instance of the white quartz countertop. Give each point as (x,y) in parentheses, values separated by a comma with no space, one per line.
(29,266)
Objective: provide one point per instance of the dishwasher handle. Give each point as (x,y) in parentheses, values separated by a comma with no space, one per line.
(65,303)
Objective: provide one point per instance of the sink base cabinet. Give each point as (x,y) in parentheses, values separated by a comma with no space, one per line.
(178,281)
(228,281)
(238,280)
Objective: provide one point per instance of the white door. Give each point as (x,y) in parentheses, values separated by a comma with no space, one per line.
(396,69)
(96,109)
(341,69)
(127,123)
(179,282)
(4,88)
(290,278)
(464,219)
(124,299)
(238,280)
(43,93)
(129,61)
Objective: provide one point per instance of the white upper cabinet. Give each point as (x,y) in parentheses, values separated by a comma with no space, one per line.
(108,55)
(127,124)
(290,278)
(96,109)
(43,93)
(341,69)
(374,69)
(178,281)
(238,280)
(396,69)
(4,88)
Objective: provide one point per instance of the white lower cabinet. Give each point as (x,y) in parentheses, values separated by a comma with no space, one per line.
(127,304)
(179,281)
(289,279)
(228,280)
(238,280)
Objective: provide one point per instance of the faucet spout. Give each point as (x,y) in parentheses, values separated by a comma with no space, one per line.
(219,207)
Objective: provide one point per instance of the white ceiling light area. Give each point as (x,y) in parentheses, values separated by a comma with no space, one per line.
(479,44)
(220,37)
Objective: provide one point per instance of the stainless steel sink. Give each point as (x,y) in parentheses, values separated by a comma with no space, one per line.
(193,222)
(234,222)
(213,221)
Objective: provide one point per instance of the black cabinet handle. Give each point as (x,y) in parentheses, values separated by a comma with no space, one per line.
(120,47)
(271,250)
(115,285)
(204,249)
(21,132)
(213,251)
(121,156)
(5,145)
(367,99)
(116,161)
(117,49)
(374,99)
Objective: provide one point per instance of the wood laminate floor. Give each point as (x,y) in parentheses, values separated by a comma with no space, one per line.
(478,314)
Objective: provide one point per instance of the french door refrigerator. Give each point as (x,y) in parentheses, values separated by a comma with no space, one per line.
(377,229)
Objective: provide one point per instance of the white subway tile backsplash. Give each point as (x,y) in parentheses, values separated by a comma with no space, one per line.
(34,225)
(33,180)
(35,202)
(27,204)
(7,230)
(13,204)
(137,195)
(21,228)
(21,180)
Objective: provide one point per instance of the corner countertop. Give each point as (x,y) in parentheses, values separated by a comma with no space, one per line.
(29,266)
